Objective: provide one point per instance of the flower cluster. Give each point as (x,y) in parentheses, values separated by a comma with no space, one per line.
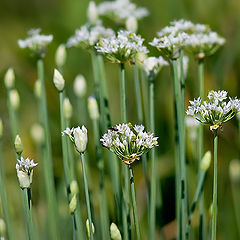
(216,110)
(78,136)
(121,48)
(36,42)
(121,10)
(129,142)
(153,65)
(88,36)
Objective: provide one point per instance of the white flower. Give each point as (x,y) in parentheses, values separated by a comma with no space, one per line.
(36,42)
(121,48)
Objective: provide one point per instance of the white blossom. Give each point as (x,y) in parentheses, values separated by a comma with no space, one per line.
(25,165)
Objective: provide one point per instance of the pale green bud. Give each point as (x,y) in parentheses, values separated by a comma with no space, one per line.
(80,139)
(24,179)
(93,108)
(132,24)
(1,128)
(58,80)
(61,55)
(37,88)
(115,233)
(234,170)
(88,228)
(67,108)
(74,187)
(92,13)
(37,133)
(206,161)
(2,227)
(73,204)
(80,86)
(9,78)
(14,99)
(18,145)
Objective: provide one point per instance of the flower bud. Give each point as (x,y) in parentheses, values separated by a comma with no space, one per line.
(80,86)
(115,233)
(141,56)
(37,88)
(58,80)
(37,133)
(93,108)
(74,187)
(73,204)
(1,128)
(9,78)
(80,139)
(206,161)
(2,227)
(67,108)
(24,179)
(60,56)
(234,170)
(88,228)
(14,99)
(92,13)
(132,24)
(18,145)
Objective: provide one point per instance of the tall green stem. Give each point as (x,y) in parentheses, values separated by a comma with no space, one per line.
(87,195)
(214,204)
(135,215)
(47,159)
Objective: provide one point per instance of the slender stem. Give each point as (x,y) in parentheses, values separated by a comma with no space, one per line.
(236,199)
(123,93)
(135,215)
(47,159)
(87,195)
(95,75)
(214,204)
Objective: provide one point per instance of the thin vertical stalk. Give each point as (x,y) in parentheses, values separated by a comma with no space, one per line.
(135,215)
(125,214)
(4,201)
(95,75)
(87,195)
(214,204)
(47,159)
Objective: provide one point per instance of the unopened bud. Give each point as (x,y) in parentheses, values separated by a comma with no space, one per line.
(92,13)
(24,179)
(73,204)
(2,227)
(37,133)
(14,99)
(58,80)
(61,55)
(141,57)
(1,128)
(18,145)
(37,88)
(74,187)
(9,78)
(93,108)
(206,161)
(80,86)
(115,233)
(88,228)
(132,24)
(67,108)
(234,170)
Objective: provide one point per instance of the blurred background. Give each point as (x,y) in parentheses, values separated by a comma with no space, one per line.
(61,18)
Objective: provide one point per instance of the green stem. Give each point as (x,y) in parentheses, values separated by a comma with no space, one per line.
(87,195)
(135,215)
(214,204)
(47,159)
(236,199)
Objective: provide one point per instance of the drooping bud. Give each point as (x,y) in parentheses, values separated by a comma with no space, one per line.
(37,133)
(132,24)
(92,13)
(37,88)
(234,170)
(93,108)
(80,86)
(18,145)
(58,80)
(80,139)
(1,128)
(9,78)
(14,99)
(115,233)
(73,204)
(67,108)
(206,161)
(88,228)
(60,56)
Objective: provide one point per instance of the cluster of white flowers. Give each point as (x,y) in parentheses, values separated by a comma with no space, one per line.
(121,48)
(78,136)
(36,42)
(153,65)
(129,142)
(121,10)
(25,165)
(87,36)
(216,110)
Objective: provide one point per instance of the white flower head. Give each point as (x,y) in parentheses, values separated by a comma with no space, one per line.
(128,142)
(216,110)
(121,48)
(36,42)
